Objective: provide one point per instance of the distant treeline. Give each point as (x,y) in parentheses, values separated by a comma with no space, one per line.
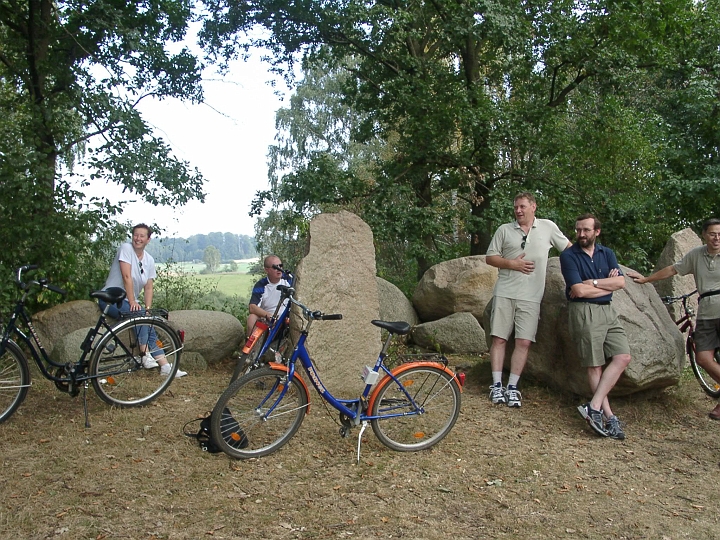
(231,247)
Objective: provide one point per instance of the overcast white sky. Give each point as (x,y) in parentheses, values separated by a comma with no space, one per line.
(227,139)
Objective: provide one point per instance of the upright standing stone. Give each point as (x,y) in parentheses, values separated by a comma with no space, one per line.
(337,275)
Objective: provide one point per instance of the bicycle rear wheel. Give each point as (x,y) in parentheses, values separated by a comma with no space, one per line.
(247,360)
(116,364)
(240,423)
(707,383)
(421,422)
(14,380)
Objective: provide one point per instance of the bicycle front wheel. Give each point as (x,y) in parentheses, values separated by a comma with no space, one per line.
(118,376)
(243,424)
(14,380)
(707,383)
(417,411)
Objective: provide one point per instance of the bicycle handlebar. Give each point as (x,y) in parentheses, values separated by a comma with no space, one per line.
(673,299)
(42,282)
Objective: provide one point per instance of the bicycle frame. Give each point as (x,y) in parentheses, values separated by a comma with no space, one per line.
(40,355)
(354,409)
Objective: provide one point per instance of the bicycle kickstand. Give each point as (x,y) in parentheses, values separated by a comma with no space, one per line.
(362,429)
(85,405)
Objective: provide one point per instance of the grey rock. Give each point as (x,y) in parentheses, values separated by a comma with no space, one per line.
(459,285)
(394,305)
(56,322)
(338,275)
(213,334)
(656,345)
(457,333)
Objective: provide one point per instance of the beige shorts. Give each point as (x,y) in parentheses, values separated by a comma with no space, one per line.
(518,315)
(597,333)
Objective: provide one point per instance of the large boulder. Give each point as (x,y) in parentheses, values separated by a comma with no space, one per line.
(459,285)
(458,333)
(338,275)
(213,334)
(394,305)
(675,249)
(56,322)
(656,345)
(66,349)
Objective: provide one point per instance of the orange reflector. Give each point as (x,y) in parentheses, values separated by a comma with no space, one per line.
(235,436)
(419,435)
(408,383)
(110,380)
(159,343)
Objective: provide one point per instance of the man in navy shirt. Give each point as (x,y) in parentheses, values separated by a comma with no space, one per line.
(592,273)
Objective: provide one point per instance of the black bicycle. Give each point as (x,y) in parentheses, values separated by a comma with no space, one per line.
(686,323)
(111,357)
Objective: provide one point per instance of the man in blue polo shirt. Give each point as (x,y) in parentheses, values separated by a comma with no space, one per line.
(265,295)
(592,273)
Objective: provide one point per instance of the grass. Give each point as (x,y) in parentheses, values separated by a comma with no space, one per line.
(230,284)
(536,472)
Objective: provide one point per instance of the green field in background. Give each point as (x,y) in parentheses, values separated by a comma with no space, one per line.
(231,284)
(236,283)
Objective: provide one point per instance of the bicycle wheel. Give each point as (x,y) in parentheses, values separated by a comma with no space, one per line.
(707,383)
(14,380)
(421,424)
(247,360)
(239,425)
(116,367)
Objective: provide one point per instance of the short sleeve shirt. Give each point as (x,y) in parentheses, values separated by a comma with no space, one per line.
(507,243)
(266,295)
(706,270)
(577,266)
(140,274)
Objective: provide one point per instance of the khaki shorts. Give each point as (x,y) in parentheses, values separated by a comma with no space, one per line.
(707,335)
(519,315)
(597,332)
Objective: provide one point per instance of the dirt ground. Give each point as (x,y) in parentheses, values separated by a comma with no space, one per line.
(537,472)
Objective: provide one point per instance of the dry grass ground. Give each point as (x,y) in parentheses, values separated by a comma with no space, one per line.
(532,473)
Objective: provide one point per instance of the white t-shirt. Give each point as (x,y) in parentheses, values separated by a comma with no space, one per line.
(141,270)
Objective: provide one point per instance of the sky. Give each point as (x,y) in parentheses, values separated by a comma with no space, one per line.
(227,139)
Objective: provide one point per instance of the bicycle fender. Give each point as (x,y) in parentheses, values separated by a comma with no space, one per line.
(282,367)
(405,367)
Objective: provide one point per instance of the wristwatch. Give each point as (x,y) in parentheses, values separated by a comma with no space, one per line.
(594,282)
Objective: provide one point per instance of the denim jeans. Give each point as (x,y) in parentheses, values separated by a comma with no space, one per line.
(146,334)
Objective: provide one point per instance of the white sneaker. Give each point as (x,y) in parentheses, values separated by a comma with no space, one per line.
(166,368)
(149,362)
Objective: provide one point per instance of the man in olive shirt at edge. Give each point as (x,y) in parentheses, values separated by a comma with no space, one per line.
(702,262)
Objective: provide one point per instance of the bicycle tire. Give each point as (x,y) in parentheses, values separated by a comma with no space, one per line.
(431,388)
(238,425)
(14,380)
(247,360)
(118,376)
(707,383)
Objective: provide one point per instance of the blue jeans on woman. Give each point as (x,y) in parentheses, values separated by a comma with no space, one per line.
(146,334)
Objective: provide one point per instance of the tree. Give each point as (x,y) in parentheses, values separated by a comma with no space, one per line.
(71,76)
(465,99)
(211,257)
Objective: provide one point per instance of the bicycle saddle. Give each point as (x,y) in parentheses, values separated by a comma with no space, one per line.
(111,295)
(399,327)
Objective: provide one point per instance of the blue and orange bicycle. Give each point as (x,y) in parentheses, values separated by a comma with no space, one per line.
(410,407)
